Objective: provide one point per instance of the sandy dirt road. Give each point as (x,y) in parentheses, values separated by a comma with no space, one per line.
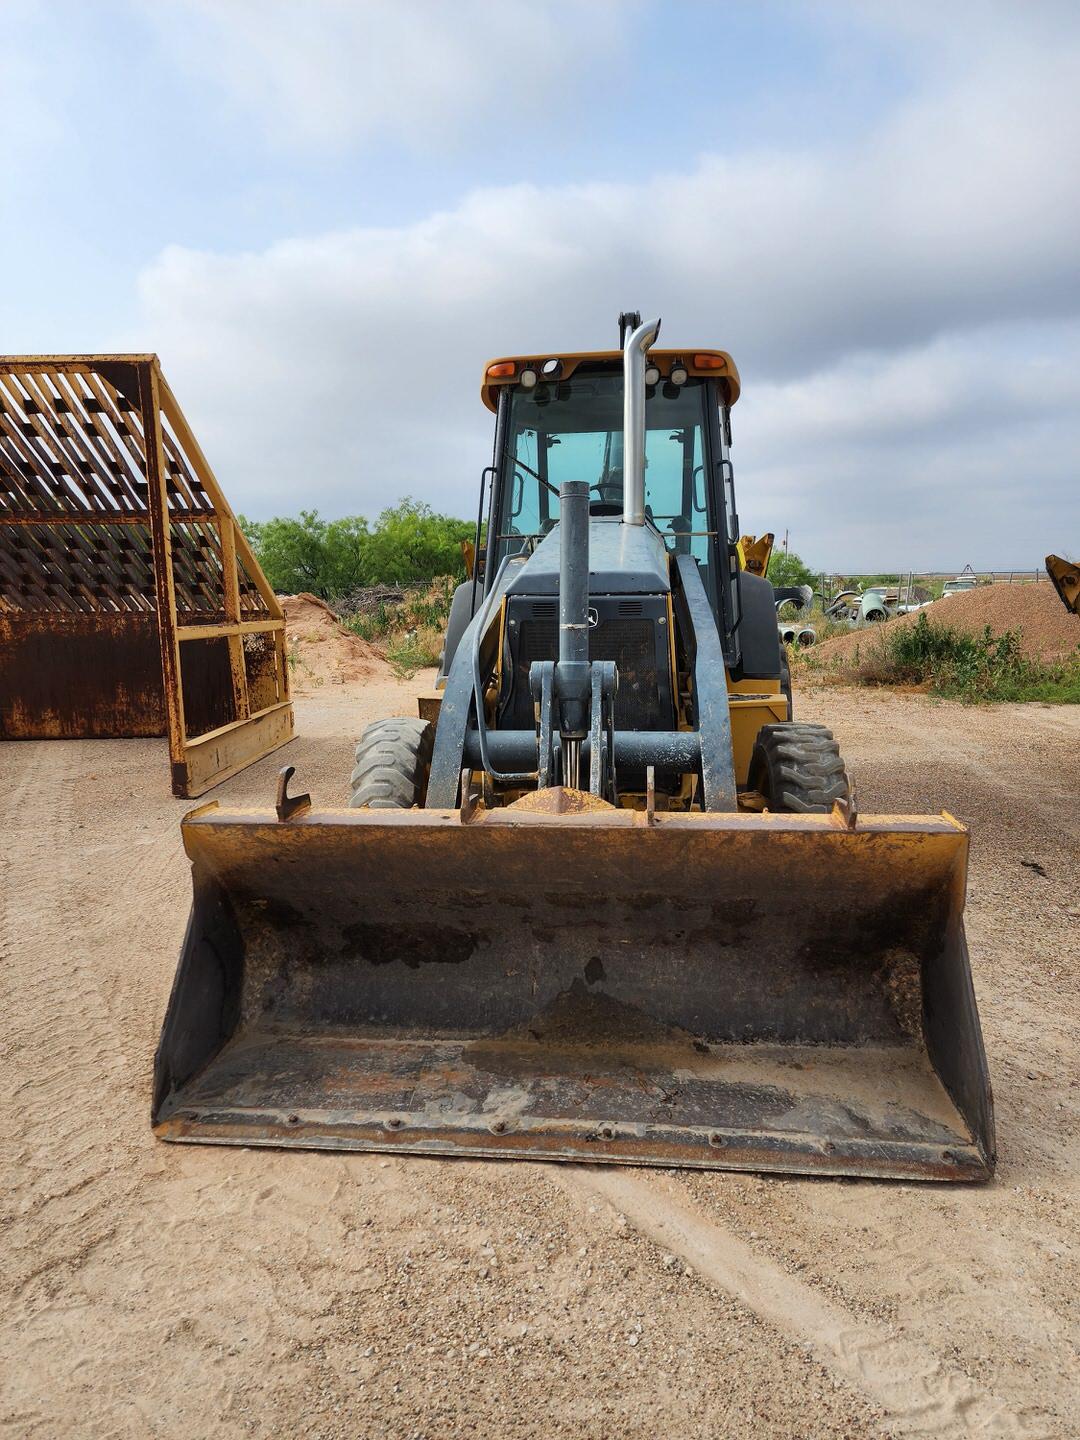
(175,1291)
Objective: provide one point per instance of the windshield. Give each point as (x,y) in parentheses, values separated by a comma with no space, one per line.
(573,431)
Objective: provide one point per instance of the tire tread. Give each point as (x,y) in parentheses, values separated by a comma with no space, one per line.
(393,760)
(798,768)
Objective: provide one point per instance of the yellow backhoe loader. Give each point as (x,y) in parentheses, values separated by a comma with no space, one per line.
(604,901)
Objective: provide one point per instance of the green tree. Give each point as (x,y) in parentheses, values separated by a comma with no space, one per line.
(328,558)
(252,530)
(786,568)
(324,557)
(410,541)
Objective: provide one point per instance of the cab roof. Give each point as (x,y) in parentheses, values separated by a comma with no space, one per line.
(716,364)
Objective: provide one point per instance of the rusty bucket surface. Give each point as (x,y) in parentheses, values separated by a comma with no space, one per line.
(738,991)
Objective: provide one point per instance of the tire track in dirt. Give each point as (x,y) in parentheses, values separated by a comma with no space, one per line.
(920,1394)
(183,1291)
(74,1059)
(991,1275)
(566,1299)
(66,1170)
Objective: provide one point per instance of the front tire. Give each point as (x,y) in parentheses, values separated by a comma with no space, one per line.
(798,769)
(393,762)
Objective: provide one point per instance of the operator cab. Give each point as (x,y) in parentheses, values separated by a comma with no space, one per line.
(562,419)
(574,431)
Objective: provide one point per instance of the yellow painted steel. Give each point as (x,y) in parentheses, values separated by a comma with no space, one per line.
(754,552)
(747,717)
(1066,577)
(664,360)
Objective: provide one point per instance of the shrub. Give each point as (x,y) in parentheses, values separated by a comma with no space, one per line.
(408,630)
(786,568)
(330,558)
(323,557)
(411,542)
(965,667)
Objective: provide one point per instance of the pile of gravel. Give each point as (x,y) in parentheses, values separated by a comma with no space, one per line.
(1047,630)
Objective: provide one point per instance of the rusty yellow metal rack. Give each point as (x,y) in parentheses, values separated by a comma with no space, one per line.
(130,601)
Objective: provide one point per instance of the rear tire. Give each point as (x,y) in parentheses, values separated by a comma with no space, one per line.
(393,761)
(798,769)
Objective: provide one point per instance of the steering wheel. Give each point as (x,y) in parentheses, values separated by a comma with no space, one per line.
(609,495)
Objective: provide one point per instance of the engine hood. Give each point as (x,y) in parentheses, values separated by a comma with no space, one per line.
(623,560)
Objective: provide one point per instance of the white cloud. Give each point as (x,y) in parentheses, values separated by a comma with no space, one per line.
(960,450)
(903,307)
(330,74)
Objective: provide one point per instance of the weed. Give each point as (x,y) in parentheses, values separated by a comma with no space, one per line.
(958,666)
(801,659)
(409,628)
(825,628)
(370,626)
(416,650)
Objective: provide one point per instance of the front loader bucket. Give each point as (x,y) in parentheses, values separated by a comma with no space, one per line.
(767,992)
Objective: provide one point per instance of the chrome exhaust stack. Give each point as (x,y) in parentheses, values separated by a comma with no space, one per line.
(634,348)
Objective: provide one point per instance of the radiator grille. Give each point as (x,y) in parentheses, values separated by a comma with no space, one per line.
(632,646)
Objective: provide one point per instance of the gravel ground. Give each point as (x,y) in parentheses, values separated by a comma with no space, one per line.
(176,1291)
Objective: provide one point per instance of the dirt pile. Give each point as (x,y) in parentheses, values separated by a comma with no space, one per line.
(1047,630)
(321,651)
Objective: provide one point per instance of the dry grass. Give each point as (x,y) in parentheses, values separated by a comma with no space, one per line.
(408,632)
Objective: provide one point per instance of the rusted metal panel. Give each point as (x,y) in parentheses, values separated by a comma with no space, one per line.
(111,520)
(428,706)
(717,1106)
(71,677)
(207,680)
(721,990)
(213,757)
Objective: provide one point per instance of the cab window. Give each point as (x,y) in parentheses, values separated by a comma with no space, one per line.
(572,430)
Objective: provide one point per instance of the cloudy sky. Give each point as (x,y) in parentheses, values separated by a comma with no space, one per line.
(325,216)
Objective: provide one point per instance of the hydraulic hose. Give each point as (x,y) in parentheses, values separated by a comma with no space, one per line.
(481,625)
